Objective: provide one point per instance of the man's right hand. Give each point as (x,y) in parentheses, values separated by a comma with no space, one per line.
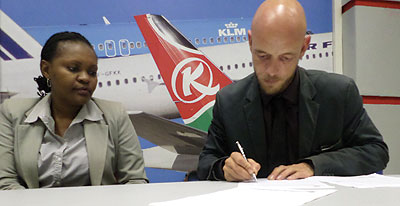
(237,169)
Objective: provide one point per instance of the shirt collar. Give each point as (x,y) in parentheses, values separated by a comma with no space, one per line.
(89,111)
(40,110)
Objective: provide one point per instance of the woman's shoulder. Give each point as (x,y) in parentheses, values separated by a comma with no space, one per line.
(110,109)
(19,105)
(107,104)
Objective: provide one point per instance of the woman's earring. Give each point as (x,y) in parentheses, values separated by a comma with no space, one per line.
(48,83)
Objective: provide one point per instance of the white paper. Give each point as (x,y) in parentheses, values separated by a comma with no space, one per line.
(363,181)
(241,196)
(286,184)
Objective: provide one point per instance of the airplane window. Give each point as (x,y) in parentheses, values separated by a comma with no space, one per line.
(229,67)
(144,44)
(326,54)
(332,53)
(238,38)
(211,40)
(108,83)
(221,68)
(124,46)
(101,47)
(219,39)
(313,56)
(132,45)
(159,76)
(225,39)
(197,41)
(126,81)
(134,79)
(250,64)
(307,57)
(236,66)
(100,84)
(320,55)
(138,44)
(151,78)
(244,38)
(110,46)
(117,82)
(232,39)
(143,78)
(204,41)
(243,65)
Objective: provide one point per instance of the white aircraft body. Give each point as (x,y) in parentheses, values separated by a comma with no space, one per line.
(133,78)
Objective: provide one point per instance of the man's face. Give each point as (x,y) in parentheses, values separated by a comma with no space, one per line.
(275,58)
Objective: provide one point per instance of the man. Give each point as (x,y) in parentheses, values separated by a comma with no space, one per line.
(292,123)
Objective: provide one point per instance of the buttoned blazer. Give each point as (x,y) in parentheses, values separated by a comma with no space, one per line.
(114,152)
(335,132)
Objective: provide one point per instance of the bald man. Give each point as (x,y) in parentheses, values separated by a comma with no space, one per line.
(292,123)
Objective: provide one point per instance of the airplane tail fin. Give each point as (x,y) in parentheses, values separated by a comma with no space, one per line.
(191,78)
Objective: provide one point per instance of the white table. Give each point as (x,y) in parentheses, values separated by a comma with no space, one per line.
(121,195)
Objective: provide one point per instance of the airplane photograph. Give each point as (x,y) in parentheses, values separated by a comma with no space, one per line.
(164,64)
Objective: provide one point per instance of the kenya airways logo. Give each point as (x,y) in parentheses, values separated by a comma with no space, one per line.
(191,86)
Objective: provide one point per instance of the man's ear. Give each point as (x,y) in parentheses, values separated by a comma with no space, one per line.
(44,68)
(249,36)
(306,42)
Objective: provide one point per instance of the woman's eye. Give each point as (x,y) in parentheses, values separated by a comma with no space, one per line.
(73,69)
(92,73)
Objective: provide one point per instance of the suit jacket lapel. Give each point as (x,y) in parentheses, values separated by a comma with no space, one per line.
(308,114)
(28,140)
(96,135)
(255,122)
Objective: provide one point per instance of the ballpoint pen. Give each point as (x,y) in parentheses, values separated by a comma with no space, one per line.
(244,156)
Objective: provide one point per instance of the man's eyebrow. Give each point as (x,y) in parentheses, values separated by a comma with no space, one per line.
(260,51)
(288,53)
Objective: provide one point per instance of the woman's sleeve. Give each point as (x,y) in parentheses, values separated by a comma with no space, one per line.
(130,155)
(8,173)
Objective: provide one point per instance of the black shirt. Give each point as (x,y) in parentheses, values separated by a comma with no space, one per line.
(282,144)
(281,125)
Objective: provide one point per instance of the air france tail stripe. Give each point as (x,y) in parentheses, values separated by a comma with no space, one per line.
(4,56)
(11,46)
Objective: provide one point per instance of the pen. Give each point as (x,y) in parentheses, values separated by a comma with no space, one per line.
(244,156)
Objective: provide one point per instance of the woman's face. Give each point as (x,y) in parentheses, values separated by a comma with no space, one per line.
(72,72)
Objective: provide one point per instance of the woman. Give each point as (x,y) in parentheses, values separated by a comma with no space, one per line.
(67,138)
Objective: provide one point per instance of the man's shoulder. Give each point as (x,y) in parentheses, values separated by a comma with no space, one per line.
(323,79)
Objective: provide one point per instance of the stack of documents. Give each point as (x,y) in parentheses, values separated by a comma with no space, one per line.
(363,181)
(283,192)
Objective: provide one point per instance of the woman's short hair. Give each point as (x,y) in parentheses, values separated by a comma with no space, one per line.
(49,51)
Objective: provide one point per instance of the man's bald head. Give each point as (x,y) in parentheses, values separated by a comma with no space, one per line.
(277,41)
(282,16)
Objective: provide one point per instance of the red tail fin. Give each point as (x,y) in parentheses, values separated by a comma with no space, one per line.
(192,80)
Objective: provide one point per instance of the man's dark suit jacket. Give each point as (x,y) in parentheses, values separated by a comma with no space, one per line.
(335,132)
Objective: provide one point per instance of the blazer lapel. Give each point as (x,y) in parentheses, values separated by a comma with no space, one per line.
(28,140)
(96,135)
(255,121)
(308,114)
